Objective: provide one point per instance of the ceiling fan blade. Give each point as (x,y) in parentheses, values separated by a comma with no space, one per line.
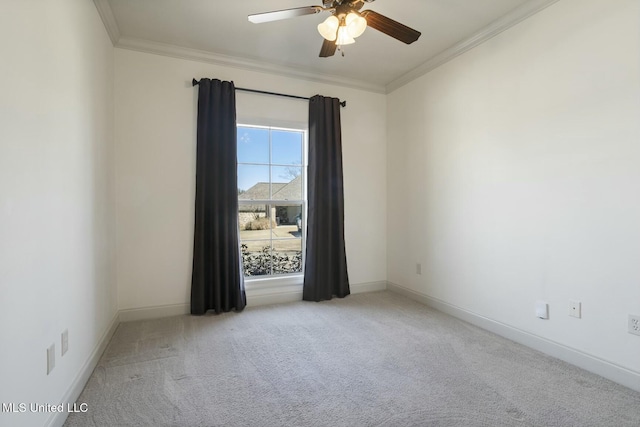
(390,27)
(277,15)
(328,49)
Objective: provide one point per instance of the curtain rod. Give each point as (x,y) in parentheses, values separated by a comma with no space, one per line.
(342,103)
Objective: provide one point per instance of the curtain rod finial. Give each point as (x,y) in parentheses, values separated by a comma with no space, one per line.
(194,82)
(343,103)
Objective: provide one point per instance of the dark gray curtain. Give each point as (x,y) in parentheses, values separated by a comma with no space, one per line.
(217,281)
(325,273)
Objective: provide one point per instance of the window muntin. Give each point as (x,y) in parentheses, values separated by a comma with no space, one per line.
(271,199)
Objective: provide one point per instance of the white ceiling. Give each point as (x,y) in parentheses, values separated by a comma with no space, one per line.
(375,61)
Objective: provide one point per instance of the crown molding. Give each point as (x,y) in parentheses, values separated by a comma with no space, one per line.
(245,64)
(109,21)
(507,21)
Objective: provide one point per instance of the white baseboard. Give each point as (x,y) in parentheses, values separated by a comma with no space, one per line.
(578,358)
(57,419)
(155,312)
(278,295)
(360,288)
(256,296)
(284,294)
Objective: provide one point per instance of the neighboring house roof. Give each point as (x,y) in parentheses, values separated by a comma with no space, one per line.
(260,191)
(290,191)
(281,191)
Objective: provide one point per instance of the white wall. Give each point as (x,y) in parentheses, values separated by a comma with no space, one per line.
(56,226)
(156,110)
(514,176)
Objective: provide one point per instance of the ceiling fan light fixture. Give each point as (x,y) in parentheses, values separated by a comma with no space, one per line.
(344,37)
(329,28)
(346,23)
(356,24)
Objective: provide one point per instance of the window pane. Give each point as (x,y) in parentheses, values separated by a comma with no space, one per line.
(287,182)
(286,147)
(287,217)
(287,256)
(269,181)
(256,258)
(255,221)
(253,145)
(253,182)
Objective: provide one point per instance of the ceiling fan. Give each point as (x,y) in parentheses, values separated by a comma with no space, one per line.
(345,23)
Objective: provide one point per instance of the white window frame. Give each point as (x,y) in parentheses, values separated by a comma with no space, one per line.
(278,280)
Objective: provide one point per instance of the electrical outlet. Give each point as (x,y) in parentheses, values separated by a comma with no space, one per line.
(542,310)
(64,344)
(418,268)
(575,308)
(634,324)
(51,358)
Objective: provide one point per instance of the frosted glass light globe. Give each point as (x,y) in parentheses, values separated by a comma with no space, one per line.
(356,24)
(329,28)
(344,37)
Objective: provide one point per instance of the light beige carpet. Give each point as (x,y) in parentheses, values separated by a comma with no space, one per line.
(376,359)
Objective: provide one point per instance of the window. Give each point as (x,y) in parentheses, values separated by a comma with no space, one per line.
(271,199)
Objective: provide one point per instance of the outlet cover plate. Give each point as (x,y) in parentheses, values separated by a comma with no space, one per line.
(64,344)
(51,358)
(575,308)
(542,310)
(634,324)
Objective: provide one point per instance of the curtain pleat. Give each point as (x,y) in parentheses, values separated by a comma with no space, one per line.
(325,272)
(217,281)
